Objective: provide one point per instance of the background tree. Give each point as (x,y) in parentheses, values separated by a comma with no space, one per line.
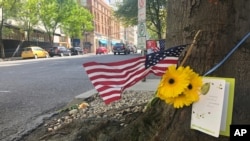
(223,24)
(8,9)
(156,17)
(28,16)
(52,13)
(78,22)
(127,12)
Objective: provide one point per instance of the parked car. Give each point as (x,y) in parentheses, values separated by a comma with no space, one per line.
(34,52)
(121,48)
(59,51)
(76,51)
(101,50)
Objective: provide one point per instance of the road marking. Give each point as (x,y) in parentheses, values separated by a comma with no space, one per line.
(4,91)
(7,65)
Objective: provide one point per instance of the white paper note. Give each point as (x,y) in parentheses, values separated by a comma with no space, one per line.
(207,112)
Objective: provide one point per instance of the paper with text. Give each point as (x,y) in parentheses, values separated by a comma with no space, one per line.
(212,114)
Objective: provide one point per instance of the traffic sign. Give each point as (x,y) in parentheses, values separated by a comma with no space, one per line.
(141,3)
(141,41)
(142,14)
(142,29)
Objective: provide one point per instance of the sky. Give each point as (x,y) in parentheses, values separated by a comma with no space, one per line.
(107,1)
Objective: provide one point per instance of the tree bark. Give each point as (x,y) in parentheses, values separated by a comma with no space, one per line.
(223,24)
(2,52)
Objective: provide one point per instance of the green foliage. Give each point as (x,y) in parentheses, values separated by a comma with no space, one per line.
(9,8)
(79,20)
(127,12)
(65,14)
(156,17)
(50,14)
(28,15)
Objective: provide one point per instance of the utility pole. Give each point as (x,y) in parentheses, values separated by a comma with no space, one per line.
(142,27)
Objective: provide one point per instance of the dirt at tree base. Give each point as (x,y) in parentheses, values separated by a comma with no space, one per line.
(89,129)
(155,124)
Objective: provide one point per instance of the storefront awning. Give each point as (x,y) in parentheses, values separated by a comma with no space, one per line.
(113,43)
(102,41)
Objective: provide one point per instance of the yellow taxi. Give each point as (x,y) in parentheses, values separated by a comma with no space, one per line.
(34,52)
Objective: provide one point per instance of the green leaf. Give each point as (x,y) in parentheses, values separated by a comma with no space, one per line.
(205,88)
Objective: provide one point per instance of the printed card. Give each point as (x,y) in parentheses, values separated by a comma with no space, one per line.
(212,114)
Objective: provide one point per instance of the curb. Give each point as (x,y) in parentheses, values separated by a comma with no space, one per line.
(148,85)
(86,94)
(20,58)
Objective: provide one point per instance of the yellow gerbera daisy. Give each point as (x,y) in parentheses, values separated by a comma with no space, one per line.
(188,71)
(179,101)
(193,89)
(173,82)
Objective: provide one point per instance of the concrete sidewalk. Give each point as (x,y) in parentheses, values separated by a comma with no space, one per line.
(20,58)
(148,85)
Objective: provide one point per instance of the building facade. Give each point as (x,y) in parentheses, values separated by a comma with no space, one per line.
(128,34)
(106,28)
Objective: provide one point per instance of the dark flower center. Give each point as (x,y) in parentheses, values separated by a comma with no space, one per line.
(171,81)
(190,86)
(182,94)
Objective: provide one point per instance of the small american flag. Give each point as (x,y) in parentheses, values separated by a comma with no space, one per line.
(161,44)
(153,58)
(111,79)
(156,45)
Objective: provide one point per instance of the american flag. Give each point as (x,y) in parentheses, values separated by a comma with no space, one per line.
(111,79)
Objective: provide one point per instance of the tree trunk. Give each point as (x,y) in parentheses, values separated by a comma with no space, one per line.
(223,24)
(2,52)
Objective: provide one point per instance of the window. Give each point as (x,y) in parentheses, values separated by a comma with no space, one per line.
(83,2)
(63,39)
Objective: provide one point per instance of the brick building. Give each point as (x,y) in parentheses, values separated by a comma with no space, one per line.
(106,27)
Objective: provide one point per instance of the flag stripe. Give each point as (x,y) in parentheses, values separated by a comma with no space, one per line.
(113,75)
(119,64)
(110,82)
(108,77)
(93,68)
(108,101)
(122,82)
(162,66)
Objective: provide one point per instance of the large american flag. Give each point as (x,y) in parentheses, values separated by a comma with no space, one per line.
(111,79)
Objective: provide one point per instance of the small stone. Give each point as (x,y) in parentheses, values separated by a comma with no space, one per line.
(70,120)
(60,125)
(50,129)
(55,127)
(84,116)
(66,117)
(73,112)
